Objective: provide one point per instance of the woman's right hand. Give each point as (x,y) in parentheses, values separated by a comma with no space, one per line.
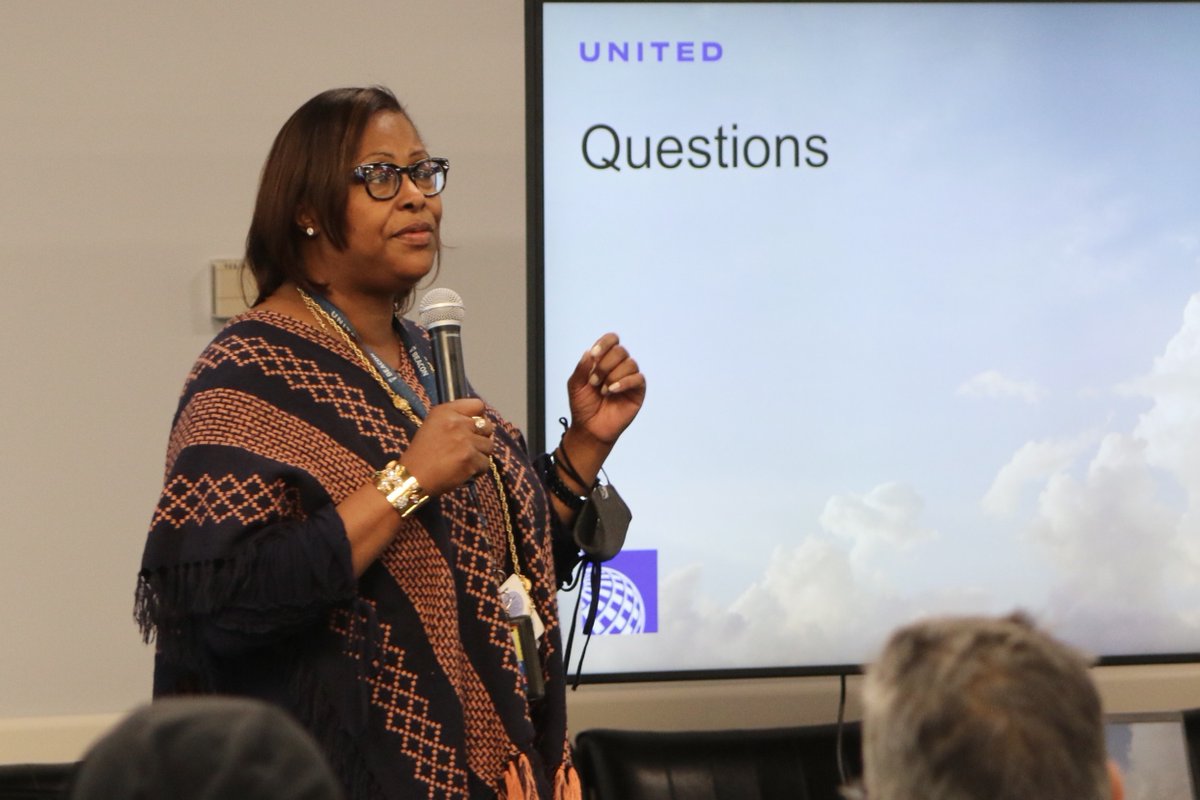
(452,446)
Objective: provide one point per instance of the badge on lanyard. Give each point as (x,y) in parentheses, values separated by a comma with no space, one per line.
(515,600)
(526,628)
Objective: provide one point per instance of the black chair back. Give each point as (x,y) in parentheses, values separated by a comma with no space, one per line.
(771,764)
(35,781)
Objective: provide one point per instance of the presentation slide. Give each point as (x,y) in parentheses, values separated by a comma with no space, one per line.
(916,288)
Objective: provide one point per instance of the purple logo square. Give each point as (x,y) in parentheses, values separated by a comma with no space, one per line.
(628,597)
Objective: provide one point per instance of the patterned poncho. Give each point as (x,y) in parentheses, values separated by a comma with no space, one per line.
(407,676)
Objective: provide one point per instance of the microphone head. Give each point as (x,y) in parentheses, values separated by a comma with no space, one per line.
(441,307)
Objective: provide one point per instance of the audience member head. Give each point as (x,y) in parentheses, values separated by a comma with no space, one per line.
(205,748)
(970,708)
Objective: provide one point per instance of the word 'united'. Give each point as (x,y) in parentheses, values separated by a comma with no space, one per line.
(650,51)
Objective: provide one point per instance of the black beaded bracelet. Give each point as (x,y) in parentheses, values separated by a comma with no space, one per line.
(559,489)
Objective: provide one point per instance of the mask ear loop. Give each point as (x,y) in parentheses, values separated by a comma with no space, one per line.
(577,581)
(588,624)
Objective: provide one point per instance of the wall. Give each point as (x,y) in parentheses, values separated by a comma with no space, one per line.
(133,133)
(133,136)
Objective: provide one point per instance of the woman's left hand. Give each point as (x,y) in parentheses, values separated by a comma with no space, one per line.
(606,390)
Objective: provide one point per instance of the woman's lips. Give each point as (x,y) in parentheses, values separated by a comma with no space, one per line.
(419,234)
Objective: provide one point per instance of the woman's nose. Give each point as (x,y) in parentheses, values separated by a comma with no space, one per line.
(410,195)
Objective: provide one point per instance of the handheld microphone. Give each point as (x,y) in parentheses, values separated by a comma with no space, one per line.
(441,313)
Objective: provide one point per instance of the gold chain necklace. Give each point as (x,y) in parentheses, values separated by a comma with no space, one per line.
(322,316)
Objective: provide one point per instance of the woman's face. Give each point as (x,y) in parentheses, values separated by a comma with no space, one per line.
(390,244)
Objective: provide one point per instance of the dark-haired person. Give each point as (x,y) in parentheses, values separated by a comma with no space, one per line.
(202,748)
(983,708)
(331,538)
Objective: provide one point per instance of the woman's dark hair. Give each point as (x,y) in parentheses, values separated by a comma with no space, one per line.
(308,168)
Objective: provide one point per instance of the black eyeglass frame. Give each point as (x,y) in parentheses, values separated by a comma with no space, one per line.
(442,167)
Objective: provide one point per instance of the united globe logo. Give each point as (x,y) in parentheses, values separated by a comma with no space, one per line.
(621,608)
(626,602)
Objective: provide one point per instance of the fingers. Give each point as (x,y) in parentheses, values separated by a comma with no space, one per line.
(467,415)
(473,429)
(451,447)
(627,383)
(610,367)
(482,426)
(465,406)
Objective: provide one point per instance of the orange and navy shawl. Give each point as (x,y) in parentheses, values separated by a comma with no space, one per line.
(406,677)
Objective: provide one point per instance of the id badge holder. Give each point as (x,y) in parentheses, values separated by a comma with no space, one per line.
(525,627)
(521,629)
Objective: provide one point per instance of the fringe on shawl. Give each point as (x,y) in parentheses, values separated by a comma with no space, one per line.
(566,783)
(519,783)
(172,603)
(339,745)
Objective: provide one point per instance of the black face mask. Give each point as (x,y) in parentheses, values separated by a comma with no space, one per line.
(601,525)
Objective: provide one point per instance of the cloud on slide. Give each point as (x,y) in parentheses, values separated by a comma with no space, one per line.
(1115,517)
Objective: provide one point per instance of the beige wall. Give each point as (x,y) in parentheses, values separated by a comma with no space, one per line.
(132,135)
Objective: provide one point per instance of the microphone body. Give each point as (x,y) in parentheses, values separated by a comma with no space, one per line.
(441,313)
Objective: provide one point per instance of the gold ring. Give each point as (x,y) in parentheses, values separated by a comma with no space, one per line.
(480,423)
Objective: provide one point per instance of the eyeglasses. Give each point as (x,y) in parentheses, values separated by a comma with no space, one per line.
(383,180)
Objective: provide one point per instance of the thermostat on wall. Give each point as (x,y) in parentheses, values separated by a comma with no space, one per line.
(233,287)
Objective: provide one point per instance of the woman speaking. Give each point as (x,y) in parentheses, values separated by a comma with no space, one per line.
(332,538)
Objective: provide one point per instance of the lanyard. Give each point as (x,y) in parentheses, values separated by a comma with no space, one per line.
(416,409)
(422,366)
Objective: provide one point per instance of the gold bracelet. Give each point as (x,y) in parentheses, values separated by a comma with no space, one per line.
(400,488)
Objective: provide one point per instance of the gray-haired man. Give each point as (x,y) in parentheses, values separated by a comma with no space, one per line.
(968,708)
